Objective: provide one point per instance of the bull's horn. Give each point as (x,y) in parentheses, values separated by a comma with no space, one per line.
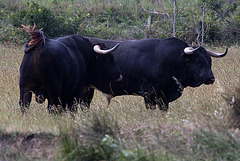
(217,55)
(98,49)
(190,50)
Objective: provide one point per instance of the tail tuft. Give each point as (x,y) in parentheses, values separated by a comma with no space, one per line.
(37,39)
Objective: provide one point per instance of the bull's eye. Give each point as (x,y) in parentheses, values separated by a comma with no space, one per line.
(187,59)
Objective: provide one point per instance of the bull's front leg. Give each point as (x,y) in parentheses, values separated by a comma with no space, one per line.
(87,96)
(154,99)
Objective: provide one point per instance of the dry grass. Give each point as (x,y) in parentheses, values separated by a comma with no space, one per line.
(174,131)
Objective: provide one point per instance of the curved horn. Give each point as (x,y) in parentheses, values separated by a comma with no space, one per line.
(217,55)
(98,49)
(190,50)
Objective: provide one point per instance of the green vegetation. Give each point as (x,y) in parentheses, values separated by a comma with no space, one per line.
(120,19)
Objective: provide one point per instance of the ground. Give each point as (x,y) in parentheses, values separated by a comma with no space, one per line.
(40,146)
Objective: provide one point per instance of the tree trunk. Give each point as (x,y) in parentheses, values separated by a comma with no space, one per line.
(174,18)
(203,22)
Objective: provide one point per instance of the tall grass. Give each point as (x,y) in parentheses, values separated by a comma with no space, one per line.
(197,126)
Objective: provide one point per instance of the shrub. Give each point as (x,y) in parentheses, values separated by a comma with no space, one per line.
(100,140)
(233,99)
(216,145)
(54,25)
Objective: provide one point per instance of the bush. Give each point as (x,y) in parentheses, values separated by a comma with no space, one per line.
(100,140)
(53,25)
(233,99)
(216,146)
(119,20)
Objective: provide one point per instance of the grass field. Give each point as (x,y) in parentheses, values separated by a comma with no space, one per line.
(198,126)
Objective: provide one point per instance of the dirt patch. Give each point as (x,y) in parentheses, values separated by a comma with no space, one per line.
(18,146)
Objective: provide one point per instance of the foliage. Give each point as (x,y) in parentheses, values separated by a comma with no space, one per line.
(233,99)
(120,19)
(54,25)
(225,17)
(216,145)
(99,140)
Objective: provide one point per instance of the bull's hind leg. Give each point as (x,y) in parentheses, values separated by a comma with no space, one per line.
(25,100)
(54,105)
(54,101)
(40,95)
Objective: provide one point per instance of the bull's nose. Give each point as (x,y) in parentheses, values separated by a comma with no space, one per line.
(211,81)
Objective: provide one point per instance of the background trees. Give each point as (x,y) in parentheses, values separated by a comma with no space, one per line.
(209,21)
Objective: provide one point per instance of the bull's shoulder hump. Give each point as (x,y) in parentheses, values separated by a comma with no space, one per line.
(54,46)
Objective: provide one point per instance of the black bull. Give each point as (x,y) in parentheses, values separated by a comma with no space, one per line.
(158,69)
(59,69)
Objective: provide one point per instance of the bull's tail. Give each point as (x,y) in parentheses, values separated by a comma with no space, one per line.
(37,39)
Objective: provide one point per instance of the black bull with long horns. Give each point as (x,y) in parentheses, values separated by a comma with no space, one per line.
(59,69)
(158,69)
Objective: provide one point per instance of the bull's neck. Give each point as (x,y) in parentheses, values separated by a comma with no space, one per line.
(93,72)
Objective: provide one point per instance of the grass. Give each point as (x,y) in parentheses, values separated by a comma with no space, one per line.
(197,126)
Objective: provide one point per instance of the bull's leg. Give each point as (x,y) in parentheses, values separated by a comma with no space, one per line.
(161,101)
(149,100)
(54,105)
(40,95)
(54,88)
(148,94)
(153,98)
(25,100)
(78,98)
(72,104)
(54,102)
(87,97)
(162,104)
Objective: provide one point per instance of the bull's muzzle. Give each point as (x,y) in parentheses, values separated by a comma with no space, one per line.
(210,80)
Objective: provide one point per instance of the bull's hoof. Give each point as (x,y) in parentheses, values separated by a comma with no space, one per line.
(40,99)
(162,107)
(151,107)
(55,110)
(24,110)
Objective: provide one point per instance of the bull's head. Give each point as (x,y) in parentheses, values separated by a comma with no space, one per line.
(198,65)
(109,70)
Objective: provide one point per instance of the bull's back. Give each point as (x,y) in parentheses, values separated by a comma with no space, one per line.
(133,56)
